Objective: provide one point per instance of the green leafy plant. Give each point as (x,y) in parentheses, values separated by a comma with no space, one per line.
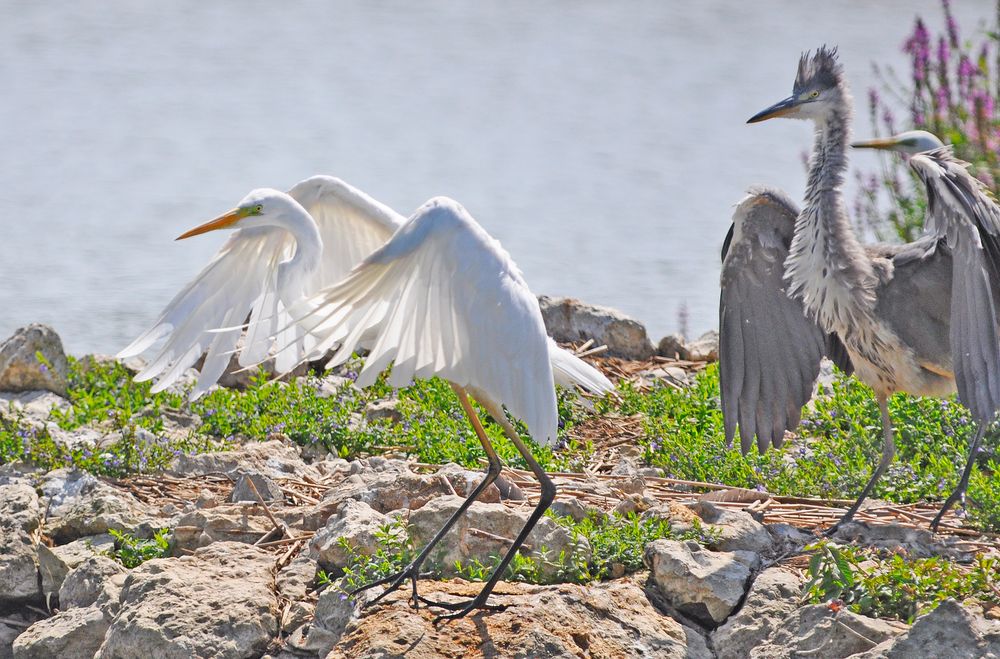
(132,552)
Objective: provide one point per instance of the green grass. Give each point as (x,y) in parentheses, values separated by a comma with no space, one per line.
(894,586)
(682,434)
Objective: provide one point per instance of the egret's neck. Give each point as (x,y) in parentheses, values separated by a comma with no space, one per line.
(827,268)
(294,275)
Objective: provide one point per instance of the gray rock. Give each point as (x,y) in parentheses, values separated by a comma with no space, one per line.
(672,346)
(81,505)
(265,487)
(737,529)
(19,506)
(18,567)
(13,625)
(485,531)
(54,563)
(773,596)
(296,579)
(218,602)
(705,348)
(334,611)
(703,584)
(272,458)
(73,634)
(567,319)
(20,367)
(383,410)
(97,580)
(818,631)
(351,532)
(948,631)
(464,481)
(915,542)
(36,405)
(236,522)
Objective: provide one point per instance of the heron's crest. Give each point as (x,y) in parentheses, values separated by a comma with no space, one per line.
(820,70)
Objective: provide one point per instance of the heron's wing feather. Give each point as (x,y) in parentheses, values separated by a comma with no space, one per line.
(351,223)
(443,298)
(769,351)
(239,280)
(961,210)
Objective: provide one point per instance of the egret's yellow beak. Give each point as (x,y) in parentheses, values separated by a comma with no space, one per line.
(220,222)
(889,143)
(779,109)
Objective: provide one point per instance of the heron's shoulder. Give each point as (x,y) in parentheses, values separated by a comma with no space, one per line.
(766,209)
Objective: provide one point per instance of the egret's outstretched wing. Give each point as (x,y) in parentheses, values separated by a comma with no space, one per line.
(769,351)
(962,211)
(239,280)
(568,370)
(443,298)
(351,223)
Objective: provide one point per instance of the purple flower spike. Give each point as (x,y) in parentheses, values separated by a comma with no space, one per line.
(950,21)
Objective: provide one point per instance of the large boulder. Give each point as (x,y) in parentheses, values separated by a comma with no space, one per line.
(97,580)
(81,505)
(20,366)
(611,619)
(55,563)
(218,602)
(703,584)
(74,633)
(948,631)
(19,580)
(352,532)
(819,631)
(19,506)
(567,319)
(774,595)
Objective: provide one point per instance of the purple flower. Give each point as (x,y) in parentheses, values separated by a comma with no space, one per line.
(943,54)
(952,25)
(873,98)
(918,48)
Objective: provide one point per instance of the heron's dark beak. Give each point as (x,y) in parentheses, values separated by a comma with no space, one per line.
(779,109)
(888,143)
(220,222)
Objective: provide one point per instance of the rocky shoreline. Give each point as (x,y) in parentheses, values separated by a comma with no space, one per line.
(261,536)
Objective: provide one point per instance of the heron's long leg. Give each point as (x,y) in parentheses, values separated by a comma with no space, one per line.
(412,571)
(964,482)
(888,451)
(547,495)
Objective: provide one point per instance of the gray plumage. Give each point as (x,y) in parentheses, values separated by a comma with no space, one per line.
(919,317)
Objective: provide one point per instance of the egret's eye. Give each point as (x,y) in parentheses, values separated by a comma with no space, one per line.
(258,209)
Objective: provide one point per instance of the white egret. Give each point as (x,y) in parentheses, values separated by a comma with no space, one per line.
(438,297)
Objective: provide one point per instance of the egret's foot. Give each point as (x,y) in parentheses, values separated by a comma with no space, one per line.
(462,609)
(411,572)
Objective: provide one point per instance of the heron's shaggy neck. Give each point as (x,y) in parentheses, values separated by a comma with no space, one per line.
(827,268)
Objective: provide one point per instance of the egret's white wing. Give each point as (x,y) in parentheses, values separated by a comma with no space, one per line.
(568,370)
(443,298)
(960,209)
(239,280)
(351,224)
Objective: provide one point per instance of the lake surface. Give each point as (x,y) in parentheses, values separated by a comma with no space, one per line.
(603,143)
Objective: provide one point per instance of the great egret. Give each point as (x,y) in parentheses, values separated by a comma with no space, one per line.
(918,317)
(438,297)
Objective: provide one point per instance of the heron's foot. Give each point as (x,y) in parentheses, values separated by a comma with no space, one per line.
(462,609)
(394,581)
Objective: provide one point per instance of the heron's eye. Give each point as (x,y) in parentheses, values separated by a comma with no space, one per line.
(814,94)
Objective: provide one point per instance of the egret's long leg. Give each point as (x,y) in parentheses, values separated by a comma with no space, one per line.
(888,451)
(412,571)
(547,495)
(964,482)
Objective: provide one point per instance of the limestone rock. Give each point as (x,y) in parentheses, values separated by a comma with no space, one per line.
(12,625)
(567,319)
(464,481)
(818,631)
(334,611)
(217,602)
(36,405)
(383,410)
(705,348)
(19,506)
(673,346)
(272,458)
(773,596)
(485,531)
(18,567)
(236,522)
(355,524)
(74,633)
(916,542)
(98,579)
(20,368)
(948,631)
(54,563)
(81,505)
(611,619)
(265,487)
(703,584)
(737,529)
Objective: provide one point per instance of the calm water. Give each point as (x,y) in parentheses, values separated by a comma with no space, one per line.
(604,143)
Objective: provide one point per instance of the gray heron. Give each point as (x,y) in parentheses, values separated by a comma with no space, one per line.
(920,317)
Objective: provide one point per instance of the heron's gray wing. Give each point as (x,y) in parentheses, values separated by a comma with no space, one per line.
(769,351)
(960,209)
